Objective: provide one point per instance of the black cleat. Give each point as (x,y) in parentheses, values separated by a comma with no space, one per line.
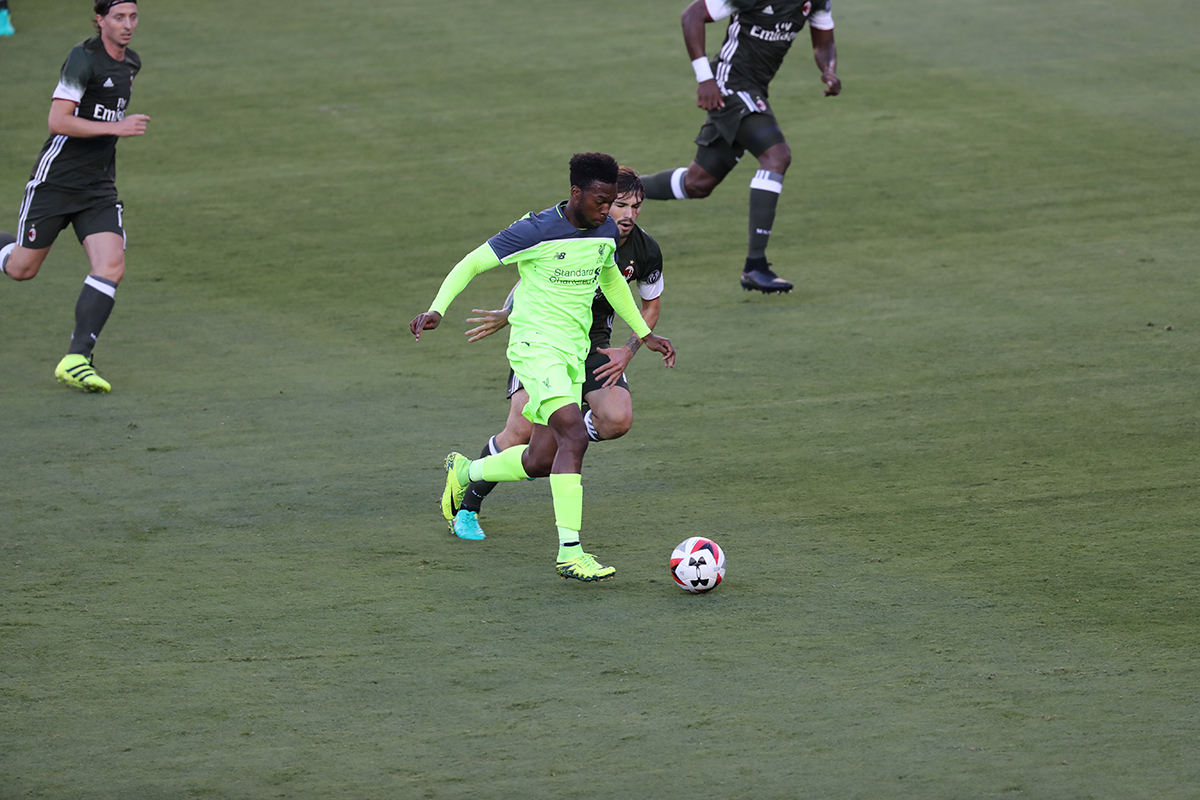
(762,279)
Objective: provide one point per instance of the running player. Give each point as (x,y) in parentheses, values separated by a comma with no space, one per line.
(609,412)
(73,181)
(733,90)
(562,254)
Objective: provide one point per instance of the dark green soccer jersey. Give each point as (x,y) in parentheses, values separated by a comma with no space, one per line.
(759,36)
(639,259)
(100,86)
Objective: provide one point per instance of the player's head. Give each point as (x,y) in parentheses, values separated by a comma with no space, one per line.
(628,205)
(116,20)
(593,188)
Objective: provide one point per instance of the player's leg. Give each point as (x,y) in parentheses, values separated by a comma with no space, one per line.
(44,213)
(105,250)
(531,365)
(609,414)
(760,134)
(517,430)
(716,156)
(569,433)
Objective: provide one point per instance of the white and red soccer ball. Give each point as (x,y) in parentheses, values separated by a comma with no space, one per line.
(698,564)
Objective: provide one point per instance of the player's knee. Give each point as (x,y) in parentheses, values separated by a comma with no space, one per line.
(20,267)
(699,187)
(777,158)
(112,269)
(615,425)
(513,435)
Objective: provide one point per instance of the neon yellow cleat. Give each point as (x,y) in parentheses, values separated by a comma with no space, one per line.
(456,468)
(76,370)
(585,568)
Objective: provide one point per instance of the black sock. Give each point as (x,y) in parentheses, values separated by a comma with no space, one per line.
(477,490)
(665,185)
(764,197)
(91,312)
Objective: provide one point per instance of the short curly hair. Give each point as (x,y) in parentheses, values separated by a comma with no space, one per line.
(592,168)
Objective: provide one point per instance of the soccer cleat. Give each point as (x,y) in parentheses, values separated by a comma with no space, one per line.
(762,279)
(76,370)
(466,525)
(452,497)
(585,568)
(6,28)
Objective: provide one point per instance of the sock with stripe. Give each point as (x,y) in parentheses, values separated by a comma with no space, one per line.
(765,189)
(95,303)
(567,490)
(665,185)
(593,434)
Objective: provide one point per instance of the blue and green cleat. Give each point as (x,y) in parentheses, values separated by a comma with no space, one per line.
(466,525)
(457,481)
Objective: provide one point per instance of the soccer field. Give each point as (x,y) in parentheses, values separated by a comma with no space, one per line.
(954,472)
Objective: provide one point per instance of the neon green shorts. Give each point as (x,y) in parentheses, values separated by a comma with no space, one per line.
(553,379)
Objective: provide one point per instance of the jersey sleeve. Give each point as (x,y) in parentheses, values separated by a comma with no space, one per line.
(718,9)
(516,238)
(616,291)
(650,282)
(76,72)
(481,259)
(821,19)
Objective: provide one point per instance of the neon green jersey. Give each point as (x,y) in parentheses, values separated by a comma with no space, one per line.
(560,267)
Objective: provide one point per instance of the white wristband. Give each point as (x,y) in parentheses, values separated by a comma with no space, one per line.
(702,69)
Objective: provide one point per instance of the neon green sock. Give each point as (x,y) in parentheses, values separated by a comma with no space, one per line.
(504,466)
(567,490)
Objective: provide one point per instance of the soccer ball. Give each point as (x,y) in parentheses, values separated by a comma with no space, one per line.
(698,564)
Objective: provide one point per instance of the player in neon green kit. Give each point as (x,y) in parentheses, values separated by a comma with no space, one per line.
(562,255)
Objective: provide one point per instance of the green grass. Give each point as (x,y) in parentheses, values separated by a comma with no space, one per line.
(955,472)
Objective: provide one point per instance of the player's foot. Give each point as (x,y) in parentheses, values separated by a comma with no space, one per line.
(760,278)
(456,486)
(466,525)
(76,370)
(6,28)
(585,568)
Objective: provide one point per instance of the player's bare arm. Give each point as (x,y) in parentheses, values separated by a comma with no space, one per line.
(491,321)
(825,54)
(619,357)
(661,344)
(694,18)
(63,122)
(424,322)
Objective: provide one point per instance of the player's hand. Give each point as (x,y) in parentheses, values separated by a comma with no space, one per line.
(661,344)
(132,125)
(708,96)
(618,360)
(833,84)
(492,321)
(424,322)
